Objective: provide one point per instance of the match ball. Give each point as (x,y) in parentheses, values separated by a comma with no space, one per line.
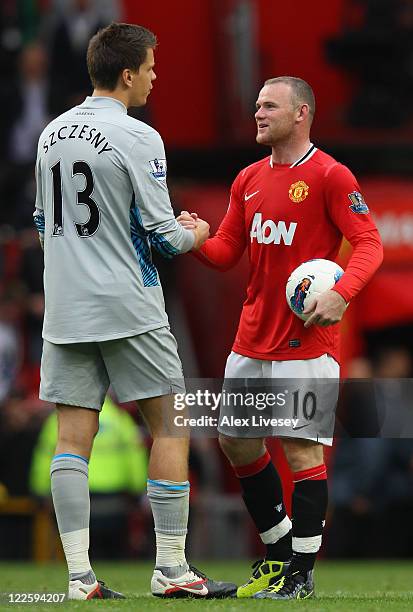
(307,282)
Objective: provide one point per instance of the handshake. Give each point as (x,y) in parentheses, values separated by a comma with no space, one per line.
(191,221)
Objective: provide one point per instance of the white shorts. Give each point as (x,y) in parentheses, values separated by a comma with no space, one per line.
(308,393)
(138,367)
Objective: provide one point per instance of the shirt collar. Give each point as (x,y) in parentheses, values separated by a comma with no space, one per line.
(301,160)
(103,102)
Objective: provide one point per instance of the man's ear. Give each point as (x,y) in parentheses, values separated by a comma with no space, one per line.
(127,77)
(304,111)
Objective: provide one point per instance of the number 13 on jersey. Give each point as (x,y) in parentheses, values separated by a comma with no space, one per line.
(84,230)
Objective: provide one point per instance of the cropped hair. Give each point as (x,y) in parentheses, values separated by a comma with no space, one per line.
(115,48)
(302,93)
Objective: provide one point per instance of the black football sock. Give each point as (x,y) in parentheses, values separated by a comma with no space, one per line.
(309,509)
(262,494)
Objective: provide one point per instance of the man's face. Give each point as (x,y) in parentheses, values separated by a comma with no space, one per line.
(276,115)
(142,80)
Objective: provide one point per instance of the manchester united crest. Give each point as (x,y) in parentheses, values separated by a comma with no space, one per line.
(298,191)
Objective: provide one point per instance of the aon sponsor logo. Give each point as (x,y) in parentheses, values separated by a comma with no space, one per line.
(272,232)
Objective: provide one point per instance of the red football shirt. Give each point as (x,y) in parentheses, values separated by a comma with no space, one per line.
(285,215)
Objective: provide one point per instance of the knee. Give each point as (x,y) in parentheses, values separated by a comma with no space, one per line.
(77,430)
(229,446)
(302,455)
(241,451)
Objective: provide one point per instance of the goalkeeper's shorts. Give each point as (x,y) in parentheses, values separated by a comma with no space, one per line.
(138,367)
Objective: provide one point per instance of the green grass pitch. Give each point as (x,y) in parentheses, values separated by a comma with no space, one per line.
(357,586)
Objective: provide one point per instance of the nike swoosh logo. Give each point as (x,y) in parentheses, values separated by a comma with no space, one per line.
(301,427)
(197,588)
(247,197)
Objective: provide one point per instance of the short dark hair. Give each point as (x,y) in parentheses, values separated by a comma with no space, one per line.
(301,90)
(114,48)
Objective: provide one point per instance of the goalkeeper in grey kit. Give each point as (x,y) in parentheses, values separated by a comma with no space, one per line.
(102,202)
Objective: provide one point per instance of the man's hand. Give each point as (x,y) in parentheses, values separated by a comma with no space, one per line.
(201,232)
(326,310)
(187,220)
(191,221)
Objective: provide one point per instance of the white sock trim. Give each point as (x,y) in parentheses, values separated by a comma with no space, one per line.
(170,550)
(277,532)
(76,548)
(307,545)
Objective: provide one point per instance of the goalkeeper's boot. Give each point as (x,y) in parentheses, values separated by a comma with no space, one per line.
(264,573)
(97,590)
(294,585)
(170,582)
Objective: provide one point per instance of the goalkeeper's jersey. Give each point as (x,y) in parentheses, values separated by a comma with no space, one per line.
(102,202)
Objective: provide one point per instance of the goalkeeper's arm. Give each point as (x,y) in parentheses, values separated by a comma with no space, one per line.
(38,218)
